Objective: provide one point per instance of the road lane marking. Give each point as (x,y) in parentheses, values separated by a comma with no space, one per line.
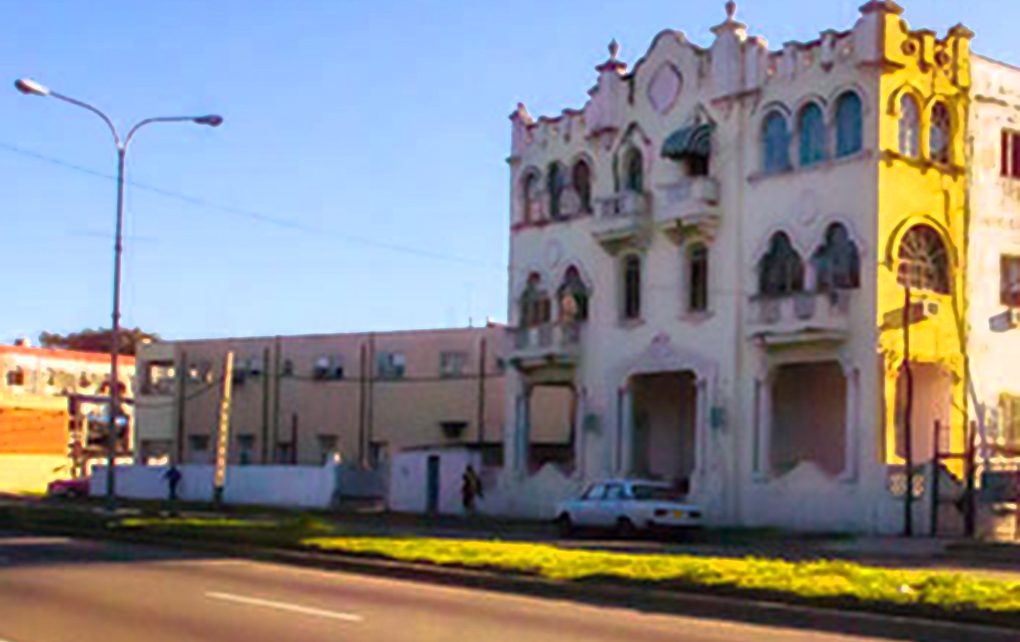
(284,606)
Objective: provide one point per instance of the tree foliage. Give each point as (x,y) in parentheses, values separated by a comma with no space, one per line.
(100,340)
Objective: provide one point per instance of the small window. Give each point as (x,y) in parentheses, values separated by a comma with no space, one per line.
(285,453)
(555,183)
(1009,281)
(198,443)
(390,365)
(287,368)
(635,171)
(451,364)
(1009,413)
(327,447)
(245,449)
(529,200)
(811,131)
(573,297)
(941,134)
(849,139)
(775,143)
(697,278)
(16,377)
(632,287)
(910,127)
(535,306)
(837,262)
(1010,154)
(582,184)
(159,378)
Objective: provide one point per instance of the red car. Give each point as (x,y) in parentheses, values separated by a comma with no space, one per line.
(68,487)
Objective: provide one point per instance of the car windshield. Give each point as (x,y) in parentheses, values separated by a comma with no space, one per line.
(656,493)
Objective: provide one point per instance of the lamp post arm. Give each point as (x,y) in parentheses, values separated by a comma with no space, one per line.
(94,110)
(157,119)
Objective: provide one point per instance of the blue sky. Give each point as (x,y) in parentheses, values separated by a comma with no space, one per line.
(373,134)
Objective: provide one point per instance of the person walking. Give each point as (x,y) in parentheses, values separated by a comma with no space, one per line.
(470,489)
(173,479)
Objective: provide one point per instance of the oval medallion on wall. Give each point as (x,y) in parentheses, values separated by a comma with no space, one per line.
(664,87)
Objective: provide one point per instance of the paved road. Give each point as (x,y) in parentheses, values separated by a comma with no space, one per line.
(62,590)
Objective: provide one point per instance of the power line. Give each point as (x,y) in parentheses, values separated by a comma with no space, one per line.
(253,215)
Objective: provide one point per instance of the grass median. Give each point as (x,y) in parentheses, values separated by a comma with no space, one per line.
(822,582)
(837,580)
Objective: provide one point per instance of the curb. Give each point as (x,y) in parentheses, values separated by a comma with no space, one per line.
(869,620)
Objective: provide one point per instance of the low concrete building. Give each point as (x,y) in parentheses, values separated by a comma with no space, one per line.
(301,399)
(46,397)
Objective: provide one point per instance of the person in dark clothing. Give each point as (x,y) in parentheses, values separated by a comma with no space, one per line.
(470,489)
(173,479)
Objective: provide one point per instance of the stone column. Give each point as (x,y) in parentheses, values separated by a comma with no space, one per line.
(522,431)
(626,428)
(702,436)
(763,428)
(853,405)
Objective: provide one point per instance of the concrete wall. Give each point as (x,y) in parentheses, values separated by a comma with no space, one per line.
(300,486)
(995,231)
(409,480)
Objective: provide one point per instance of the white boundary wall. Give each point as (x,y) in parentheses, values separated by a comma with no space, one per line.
(297,486)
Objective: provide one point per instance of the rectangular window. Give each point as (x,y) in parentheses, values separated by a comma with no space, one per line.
(451,364)
(327,447)
(698,279)
(245,448)
(632,287)
(1010,154)
(198,443)
(159,378)
(1009,408)
(390,365)
(1009,281)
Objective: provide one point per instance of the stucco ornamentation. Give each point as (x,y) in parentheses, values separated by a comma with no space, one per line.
(664,88)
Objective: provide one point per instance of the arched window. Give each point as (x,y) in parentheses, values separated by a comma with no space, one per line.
(849,139)
(536,308)
(923,260)
(581,180)
(781,270)
(837,262)
(573,297)
(811,132)
(632,287)
(940,134)
(910,127)
(775,143)
(16,376)
(697,278)
(529,189)
(555,182)
(634,171)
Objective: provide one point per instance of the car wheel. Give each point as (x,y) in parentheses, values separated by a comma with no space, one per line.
(625,528)
(565,525)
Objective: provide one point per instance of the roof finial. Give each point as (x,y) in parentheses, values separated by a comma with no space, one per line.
(731,10)
(614,49)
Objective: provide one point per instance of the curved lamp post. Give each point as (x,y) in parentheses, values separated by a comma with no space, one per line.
(32,88)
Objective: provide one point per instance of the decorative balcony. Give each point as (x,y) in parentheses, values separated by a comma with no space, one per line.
(550,344)
(805,317)
(688,206)
(623,220)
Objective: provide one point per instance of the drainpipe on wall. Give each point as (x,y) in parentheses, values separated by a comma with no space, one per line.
(481,392)
(278,345)
(182,378)
(264,438)
(361,402)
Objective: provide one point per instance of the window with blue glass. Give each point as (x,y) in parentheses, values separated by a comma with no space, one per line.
(811,132)
(848,124)
(776,143)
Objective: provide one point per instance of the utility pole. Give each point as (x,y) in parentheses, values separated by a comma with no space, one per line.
(481,392)
(223,436)
(908,411)
(182,379)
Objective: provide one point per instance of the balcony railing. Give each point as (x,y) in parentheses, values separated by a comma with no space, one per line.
(621,218)
(801,317)
(690,204)
(550,343)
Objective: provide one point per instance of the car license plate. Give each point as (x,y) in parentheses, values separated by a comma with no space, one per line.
(678,514)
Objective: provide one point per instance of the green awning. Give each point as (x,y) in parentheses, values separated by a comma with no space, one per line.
(695,140)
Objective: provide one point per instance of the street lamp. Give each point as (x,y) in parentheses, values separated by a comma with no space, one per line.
(32,88)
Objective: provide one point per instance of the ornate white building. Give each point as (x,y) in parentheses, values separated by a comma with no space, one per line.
(713,254)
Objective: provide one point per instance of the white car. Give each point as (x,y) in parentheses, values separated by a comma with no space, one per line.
(628,505)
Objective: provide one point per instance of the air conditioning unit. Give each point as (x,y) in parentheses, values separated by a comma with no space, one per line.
(322,368)
(1008,320)
(255,367)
